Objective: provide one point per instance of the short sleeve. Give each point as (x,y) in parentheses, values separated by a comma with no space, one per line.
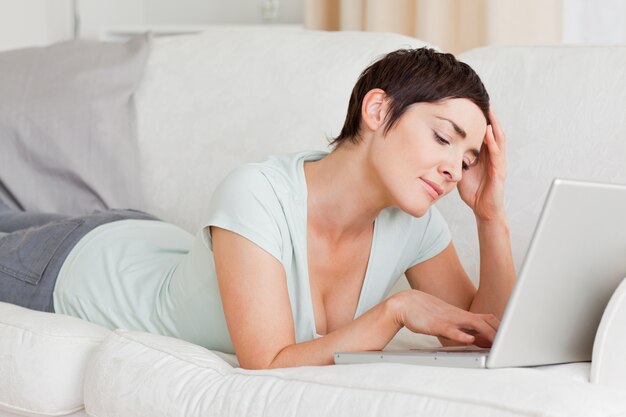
(245,203)
(435,237)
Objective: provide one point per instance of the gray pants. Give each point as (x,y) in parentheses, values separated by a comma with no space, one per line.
(33,247)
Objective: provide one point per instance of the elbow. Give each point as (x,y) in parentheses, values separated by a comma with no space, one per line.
(255,367)
(259,363)
(256,363)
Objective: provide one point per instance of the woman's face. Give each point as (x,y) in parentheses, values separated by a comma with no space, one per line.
(425,154)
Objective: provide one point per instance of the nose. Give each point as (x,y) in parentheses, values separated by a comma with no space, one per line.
(452,170)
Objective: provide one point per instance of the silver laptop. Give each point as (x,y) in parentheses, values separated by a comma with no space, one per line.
(576,259)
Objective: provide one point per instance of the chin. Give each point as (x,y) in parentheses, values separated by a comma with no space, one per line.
(415,209)
(419,213)
(411,199)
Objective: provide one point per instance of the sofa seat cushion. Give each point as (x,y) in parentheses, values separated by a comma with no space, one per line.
(137,374)
(42,360)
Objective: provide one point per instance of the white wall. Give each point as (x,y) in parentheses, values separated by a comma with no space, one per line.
(98,15)
(598,21)
(39,22)
(34,22)
(230,11)
(95,15)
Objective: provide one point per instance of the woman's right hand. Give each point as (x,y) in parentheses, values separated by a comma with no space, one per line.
(423,313)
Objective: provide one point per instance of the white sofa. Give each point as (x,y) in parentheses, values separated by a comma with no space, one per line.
(210,102)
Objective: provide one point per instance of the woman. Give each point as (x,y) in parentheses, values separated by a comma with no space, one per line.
(299,251)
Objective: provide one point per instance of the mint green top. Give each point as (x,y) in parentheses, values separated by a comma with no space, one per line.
(153,276)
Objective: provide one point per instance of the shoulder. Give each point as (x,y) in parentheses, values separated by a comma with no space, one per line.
(248,176)
(279,174)
(245,194)
(259,201)
(245,203)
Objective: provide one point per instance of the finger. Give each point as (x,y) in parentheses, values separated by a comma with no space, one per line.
(481,326)
(453,333)
(497,128)
(492,320)
(499,135)
(482,342)
(491,142)
(492,154)
(495,155)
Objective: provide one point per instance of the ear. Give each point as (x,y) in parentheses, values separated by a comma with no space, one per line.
(374,109)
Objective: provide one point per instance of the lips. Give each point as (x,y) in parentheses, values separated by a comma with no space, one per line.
(433,189)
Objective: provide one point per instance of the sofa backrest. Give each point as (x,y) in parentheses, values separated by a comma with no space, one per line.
(562,109)
(211,102)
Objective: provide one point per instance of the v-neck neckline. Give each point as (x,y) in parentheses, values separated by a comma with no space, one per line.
(305,211)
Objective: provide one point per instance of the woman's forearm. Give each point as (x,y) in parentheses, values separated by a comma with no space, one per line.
(497,272)
(370,331)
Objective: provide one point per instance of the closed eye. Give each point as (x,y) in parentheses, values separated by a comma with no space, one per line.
(439,139)
(465,164)
(469,163)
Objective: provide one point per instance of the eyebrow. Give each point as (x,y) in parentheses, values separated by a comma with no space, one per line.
(458,129)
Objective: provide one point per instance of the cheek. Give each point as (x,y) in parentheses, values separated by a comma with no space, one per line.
(401,158)
(391,157)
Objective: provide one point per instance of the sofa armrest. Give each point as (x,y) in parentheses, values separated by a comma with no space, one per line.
(42,360)
(141,374)
(608,363)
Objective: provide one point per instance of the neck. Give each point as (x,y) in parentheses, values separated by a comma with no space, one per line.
(344,195)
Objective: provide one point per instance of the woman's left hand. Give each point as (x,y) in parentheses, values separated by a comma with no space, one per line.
(482,186)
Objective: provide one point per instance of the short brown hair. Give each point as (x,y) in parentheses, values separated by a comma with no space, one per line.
(409,76)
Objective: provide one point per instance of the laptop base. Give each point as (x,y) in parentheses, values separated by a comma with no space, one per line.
(454,358)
